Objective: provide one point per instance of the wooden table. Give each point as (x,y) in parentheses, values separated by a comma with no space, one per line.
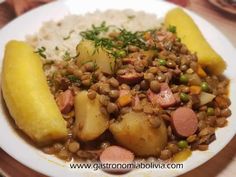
(222,165)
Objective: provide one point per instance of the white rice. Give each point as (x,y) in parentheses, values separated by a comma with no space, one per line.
(52,34)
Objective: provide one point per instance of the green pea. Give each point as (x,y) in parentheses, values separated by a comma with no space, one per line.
(205,86)
(183,144)
(162,62)
(184,97)
(121,53)
(183,79)
(210,111)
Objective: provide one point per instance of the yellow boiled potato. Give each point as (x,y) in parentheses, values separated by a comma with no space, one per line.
(89,53)
(90,122)
(28,96)
(192,37)
(135,133)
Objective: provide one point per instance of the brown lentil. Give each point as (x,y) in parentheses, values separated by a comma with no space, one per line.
(144,85)
(74,147)
(124,87)
(49,150)
(185,89)
(171,64)
(192,138)
(225,112)
(161,77)
(113,82)
(138,66)
(104,100)
(155,86)
(221,122)
(105,144)
(184,49)
(64,154)
(153,70)
(202,124)
(112,108)
(183,67)
(104,88)
(86,82)
(217,112)
(165,154)
(114,94)
(89,66)
(148,76)
(211,120)
(121,72)
(163,69)
(173,148)
(57,147)
(206,131)
(202,147)
(94,87)
(78,73)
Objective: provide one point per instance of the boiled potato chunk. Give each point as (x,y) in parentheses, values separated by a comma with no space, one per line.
(90,122)
(89,53)
(192,37)
(135,133)
(27,95)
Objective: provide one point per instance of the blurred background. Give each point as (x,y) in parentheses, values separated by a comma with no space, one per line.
(220,13)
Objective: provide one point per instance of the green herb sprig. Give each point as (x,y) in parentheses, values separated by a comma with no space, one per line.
(41,51)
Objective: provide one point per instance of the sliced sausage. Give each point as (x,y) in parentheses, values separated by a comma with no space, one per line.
(65,101)
(184,121)
(130,78)
(164,98)
(116,154)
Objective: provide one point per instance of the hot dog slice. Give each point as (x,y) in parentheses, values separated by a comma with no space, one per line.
(184,121)
(65,101)
(130,78)
(116,154)
(165,98)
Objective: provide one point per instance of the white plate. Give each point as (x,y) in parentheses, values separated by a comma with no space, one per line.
(29,23)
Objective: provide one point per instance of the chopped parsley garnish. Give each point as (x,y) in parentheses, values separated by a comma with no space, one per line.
(69,35)
(171,29)
(41,51)
(95,31)
(68,57)
(130,38)
(73,79)
(117,44)
(56,48)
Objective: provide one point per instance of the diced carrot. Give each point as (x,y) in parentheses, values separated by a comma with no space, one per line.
(201,72)
(195,89)
(124,100)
